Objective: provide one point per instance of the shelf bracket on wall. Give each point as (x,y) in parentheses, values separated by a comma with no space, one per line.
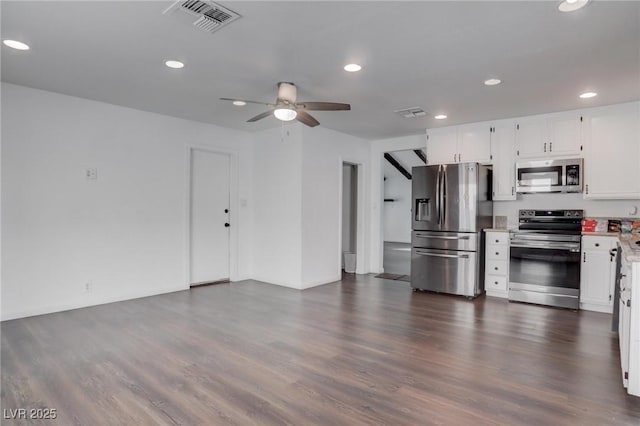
(397,165)
(421,155)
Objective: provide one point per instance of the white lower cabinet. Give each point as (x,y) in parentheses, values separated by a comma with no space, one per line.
(629,326)
(597,273)
(496,270)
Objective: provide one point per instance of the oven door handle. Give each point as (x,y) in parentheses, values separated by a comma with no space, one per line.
(574,248)
(455,256)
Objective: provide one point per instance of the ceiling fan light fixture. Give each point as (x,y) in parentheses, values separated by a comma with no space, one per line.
(285,114)
(572,5)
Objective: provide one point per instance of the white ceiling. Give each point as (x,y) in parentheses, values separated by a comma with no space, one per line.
(430,54)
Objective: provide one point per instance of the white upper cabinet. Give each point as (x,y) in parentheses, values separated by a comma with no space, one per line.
(474,143)
(612,157)
(531,137)
(442,145)
(565,134)
(459,144)
(503,153)
(549,135)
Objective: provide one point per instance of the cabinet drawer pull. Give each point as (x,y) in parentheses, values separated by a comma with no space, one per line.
(497,253)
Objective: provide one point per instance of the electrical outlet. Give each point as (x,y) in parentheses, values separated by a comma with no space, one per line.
(91,173)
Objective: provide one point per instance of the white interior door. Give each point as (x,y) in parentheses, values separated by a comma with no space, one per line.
(209,230)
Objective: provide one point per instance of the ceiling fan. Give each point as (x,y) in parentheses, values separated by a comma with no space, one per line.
(286,108)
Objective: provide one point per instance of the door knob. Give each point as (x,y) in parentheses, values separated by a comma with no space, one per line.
(226,225)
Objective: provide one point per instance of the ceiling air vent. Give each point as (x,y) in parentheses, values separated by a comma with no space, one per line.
(411,112)
(209,16)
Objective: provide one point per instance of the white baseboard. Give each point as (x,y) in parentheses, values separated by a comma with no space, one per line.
(49,309)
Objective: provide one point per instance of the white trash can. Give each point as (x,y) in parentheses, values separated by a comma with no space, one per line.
(349,262)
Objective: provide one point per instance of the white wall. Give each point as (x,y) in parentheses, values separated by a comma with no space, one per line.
(592,208)
(397,214)
(125,232)
(324,151)
(377,149)
(278,206)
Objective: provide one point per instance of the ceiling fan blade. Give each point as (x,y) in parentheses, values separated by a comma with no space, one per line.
(260,116)
(305,118)
(324,106)
(249,102)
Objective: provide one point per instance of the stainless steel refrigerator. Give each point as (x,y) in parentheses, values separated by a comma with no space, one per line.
(451,206)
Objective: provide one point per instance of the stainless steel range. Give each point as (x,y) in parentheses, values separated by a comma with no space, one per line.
(544,266)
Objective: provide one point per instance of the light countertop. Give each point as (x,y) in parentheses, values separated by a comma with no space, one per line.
(630,254)
(601,234)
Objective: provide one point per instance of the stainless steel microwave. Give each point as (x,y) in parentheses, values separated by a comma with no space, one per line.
(549,176)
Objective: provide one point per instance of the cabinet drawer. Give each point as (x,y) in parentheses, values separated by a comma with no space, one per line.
(495,252)
(496,267)
(495,282)
(591,243)
(499,238)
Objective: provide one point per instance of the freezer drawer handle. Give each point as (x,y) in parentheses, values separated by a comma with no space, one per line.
(466,237)
(457,256)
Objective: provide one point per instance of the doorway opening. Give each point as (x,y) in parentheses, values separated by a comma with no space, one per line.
(396,212)
(209,217)
(349,217)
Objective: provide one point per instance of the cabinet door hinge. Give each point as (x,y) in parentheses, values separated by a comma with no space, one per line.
(491,157)
(626,375)
(587,188)
(581,119)
(580,147)
(609,298)
(518,152)
(517,127)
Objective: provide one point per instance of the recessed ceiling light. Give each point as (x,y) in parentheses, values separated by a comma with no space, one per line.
(492,81)
(352,67)
(14,44)
(440,117)
(587,95)
(239,103)
(571,5)
(174,64)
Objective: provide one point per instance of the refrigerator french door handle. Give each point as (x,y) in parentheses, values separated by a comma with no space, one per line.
(443,191)
(438,194)
(456,256)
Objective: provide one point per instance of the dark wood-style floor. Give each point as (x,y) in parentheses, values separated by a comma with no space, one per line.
(363,351)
